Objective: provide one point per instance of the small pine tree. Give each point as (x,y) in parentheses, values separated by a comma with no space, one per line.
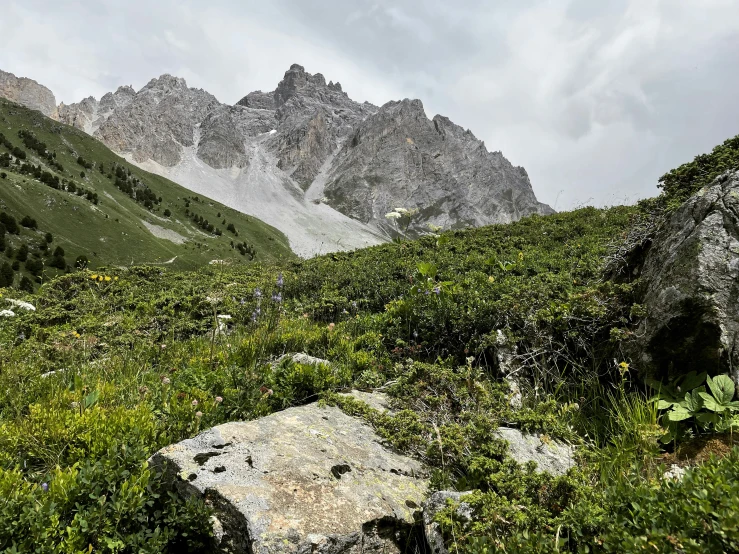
(6,275)
(49,238)
(29,222)
(22,254)
(58,262)
(167,213)
(26,285)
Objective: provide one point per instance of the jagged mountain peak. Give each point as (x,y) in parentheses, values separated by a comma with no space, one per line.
(311,161)
(296,82)
(166,81)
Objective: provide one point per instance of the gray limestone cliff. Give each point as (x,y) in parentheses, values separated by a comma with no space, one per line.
(397,157)
(27,92)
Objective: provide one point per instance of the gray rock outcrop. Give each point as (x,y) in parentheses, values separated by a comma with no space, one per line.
(313,118)
(551,456)
(691,274)
(397,157)
(158,122)
(27,92)
(308,479)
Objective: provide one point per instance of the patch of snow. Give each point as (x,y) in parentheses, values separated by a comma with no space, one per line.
(273,131)
(162,233)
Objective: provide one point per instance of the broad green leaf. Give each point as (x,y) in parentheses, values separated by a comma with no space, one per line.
(663,404)
(427,269)
(91,399)
(708,418)
(692,380)
(679,413)
(722,388)
(709,402)
(694,400)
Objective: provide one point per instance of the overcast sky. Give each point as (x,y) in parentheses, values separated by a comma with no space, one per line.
(595,98)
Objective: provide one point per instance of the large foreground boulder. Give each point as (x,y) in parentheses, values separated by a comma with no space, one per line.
(308,479)
(691,274)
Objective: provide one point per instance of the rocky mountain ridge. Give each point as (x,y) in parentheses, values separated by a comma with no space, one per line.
(311,161)
(27,92)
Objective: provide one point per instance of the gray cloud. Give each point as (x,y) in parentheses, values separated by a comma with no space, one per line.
(595,99)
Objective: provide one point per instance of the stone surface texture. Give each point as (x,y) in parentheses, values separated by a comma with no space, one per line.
(27,92)
(691,296)
(307,479)
(397,157)
(552,456)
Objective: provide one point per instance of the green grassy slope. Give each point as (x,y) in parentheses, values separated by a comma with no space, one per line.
(114,231)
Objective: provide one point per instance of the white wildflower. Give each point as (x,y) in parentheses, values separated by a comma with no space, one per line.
(392,215)
(22,304)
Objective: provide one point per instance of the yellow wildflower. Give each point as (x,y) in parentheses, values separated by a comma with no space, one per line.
(94,277)
(107,278)
(491,279)
(100,278)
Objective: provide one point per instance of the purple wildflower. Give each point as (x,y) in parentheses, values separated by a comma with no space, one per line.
(277,298)
(257,293)
(415,335)
(254,317)
(280,281)
(45,487)
(437,290)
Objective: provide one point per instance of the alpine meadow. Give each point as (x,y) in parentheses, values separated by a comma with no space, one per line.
(300,323)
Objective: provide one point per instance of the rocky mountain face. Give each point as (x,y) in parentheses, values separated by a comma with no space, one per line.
(690,277)
(311,161)
(27,92)
(398,157)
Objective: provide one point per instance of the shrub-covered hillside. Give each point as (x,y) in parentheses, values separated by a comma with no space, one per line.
(115,363)
(67,201)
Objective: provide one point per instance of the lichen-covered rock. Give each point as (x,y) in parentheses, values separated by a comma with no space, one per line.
(692,285)
(550,455)
(308,479)
(27,92)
